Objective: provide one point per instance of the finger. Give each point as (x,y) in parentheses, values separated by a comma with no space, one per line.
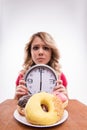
(22,81)
(59,88)
(58,85)
(19,94)
(58,82)
(22,88)
(62,90)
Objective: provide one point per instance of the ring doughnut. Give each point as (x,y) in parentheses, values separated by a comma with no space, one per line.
(35,114)
(62,97)
(22,103)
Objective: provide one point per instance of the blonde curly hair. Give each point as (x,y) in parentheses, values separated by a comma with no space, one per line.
(49,41)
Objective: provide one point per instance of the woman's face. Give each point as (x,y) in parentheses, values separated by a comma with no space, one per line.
(40,52)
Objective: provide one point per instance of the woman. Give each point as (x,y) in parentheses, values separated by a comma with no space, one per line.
(41,49)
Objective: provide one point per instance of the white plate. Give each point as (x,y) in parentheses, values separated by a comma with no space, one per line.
(23,120)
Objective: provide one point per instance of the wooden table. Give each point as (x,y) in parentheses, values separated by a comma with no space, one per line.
(77,119)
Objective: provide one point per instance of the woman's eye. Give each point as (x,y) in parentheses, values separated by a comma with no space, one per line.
(46,48)
(35,48)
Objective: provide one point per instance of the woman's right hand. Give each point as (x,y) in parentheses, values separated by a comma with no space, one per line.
(21,89)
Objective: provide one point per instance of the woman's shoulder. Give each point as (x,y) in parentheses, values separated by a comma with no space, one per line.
(22,72)
(64,79)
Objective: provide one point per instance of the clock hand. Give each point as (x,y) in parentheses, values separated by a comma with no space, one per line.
(40,79)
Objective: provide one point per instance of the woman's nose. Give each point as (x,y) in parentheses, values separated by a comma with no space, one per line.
(41,50)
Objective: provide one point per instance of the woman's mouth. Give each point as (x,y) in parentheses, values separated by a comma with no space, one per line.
(40,59)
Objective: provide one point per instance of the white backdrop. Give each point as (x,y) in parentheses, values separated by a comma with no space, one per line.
(65,20)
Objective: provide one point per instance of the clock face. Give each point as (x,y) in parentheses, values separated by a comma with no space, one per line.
(40,78)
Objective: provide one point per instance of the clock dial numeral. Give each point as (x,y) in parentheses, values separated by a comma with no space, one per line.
(30,87)
(31,74)
(52,81)
(30,81)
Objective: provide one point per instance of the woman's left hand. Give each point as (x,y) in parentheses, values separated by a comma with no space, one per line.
(59,88)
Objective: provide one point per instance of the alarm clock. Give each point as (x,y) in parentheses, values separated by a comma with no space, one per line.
(39,78)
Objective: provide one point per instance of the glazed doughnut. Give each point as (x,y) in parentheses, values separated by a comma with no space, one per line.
(35,114)
(21,104)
